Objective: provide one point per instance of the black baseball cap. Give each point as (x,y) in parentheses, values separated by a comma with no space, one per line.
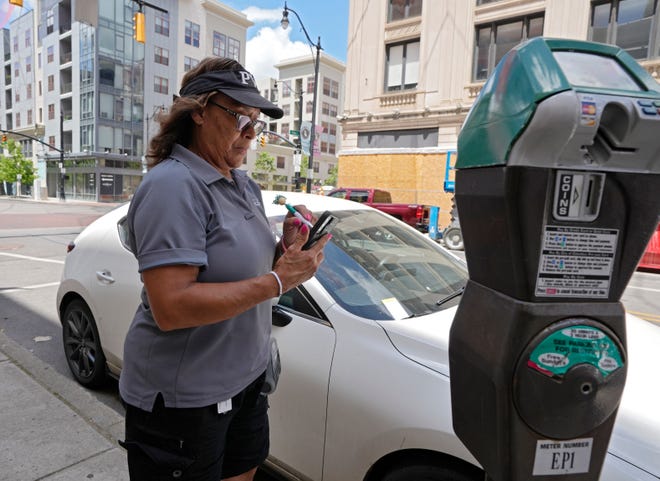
(236,84)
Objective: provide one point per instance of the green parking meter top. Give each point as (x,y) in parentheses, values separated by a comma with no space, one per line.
(534,71)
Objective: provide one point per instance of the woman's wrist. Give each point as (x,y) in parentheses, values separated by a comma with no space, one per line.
(279,283)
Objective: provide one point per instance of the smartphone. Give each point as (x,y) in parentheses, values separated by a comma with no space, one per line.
(322,227)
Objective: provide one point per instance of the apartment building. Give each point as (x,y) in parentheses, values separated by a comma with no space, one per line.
(85,87)
(408,94)
(293,91)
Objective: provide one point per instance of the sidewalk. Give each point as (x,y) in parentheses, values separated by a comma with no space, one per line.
(50,427)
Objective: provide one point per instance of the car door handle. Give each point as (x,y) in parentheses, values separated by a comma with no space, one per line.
(105,276)
(281,318)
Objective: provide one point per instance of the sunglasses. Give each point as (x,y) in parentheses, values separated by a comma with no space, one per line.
(243,122)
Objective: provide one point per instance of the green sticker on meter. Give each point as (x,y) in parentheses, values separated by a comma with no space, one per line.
(574,345)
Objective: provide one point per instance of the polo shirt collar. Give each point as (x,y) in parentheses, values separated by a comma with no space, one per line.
(204,170)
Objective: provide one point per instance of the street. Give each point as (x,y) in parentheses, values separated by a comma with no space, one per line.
(33,241)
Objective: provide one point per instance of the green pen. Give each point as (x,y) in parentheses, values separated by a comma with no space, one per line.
(298,215)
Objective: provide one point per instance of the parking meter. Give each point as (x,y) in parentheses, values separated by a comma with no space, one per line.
(558,189)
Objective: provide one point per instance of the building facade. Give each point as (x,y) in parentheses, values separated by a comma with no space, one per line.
(293,91)
(407,97)
(91,93)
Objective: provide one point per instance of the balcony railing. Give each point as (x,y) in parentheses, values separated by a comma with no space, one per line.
(398,98)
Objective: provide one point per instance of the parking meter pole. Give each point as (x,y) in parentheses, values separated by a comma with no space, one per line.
(557,181)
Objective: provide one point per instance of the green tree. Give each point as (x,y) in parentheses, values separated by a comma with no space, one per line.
(264,166)
(15,164)
(332,177)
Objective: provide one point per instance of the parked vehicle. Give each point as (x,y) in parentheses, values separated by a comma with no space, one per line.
(364,393)
(651,257)
(415,215)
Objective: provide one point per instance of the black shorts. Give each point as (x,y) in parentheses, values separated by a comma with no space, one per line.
(198,443)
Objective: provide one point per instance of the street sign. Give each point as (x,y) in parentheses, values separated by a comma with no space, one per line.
(294,132)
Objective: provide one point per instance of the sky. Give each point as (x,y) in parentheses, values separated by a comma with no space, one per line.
(267,42)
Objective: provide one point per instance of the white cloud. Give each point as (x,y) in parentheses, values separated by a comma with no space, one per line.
(256,14)
(269,47)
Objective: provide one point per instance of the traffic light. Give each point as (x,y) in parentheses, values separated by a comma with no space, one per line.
(18,3)
(262,141)
(139,27)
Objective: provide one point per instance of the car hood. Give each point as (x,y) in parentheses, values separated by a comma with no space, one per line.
(423,339)
(636,434)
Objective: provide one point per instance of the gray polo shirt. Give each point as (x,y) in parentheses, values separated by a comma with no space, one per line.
(186,212)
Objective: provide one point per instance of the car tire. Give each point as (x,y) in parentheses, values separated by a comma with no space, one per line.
(423,472)
(453,238)
(82,345)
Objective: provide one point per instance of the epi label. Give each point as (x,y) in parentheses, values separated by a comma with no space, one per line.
(576,262)
(562,457)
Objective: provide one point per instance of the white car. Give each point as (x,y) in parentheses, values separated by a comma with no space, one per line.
(364,391)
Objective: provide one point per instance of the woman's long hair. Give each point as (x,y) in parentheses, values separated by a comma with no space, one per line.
(176,126)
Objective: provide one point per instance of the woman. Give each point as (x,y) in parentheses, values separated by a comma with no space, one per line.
(196,352)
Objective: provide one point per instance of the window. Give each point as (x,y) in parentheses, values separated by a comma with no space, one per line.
(28,91)
(162,23)
(324,146)
(51,111)
(161,56)
(29,116)
(233,48)
(15,41)
(50,54)
(309,106)
(401,9)
(330,88)
(28,64)
(332,111)
(281,162)
(191,36)
(332,148)
(284,129)
(317,166)
(17,69)
(28,38)
(51,141)
(51,83)
(50,21)
(325,108)
(402,66)
(161,85)
(286,88)
(628,24)
(310,85)
(494,40)
(17,96)
(413,138)
(219,44)
(332,130)
(286,109)
(189,63)
(18,119)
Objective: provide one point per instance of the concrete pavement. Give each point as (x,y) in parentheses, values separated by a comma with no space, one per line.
(51,428)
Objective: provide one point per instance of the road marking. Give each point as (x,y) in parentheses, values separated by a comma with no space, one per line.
(644,288)
(30,258)
(645,315)
(35,286)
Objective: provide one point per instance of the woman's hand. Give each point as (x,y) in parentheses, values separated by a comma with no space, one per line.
(295,266)
(292,225)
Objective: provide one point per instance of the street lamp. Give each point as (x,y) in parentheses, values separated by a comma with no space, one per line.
(285,25)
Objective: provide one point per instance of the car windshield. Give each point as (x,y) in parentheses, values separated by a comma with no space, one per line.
(378,269)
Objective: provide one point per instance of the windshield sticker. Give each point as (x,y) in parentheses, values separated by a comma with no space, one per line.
(395,308)
(576,262)
(574,345)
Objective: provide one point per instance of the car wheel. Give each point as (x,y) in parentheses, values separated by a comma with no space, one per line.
(453,238)
(426,473)
(82,346)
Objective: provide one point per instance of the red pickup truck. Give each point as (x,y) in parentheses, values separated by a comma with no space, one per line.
(416,215)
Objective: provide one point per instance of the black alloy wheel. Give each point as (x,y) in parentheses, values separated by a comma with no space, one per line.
(82,346)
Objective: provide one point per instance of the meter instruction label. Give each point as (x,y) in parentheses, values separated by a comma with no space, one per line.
(568,347)
(562,457)
(576,262)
